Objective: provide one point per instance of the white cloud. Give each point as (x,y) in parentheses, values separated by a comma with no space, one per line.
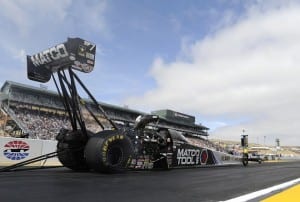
(24,15)
(28,23)
(94,17)
(20,55)
(24,22)
(30,26)
(88,16)
(247,69)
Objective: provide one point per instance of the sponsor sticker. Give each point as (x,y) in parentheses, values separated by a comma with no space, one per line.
(188,156)
(107,143)
(81,50)
(193,156)
(90,56)
(204,156)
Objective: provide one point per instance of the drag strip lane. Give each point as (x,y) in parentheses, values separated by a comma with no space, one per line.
(201,184)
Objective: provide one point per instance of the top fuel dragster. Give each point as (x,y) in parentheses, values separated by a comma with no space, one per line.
(145,145)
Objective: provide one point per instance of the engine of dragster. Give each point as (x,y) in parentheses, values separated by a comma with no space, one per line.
(152,145)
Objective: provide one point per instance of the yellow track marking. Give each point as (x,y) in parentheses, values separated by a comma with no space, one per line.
(290,195)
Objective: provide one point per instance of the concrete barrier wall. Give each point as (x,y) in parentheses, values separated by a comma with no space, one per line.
(48,147)
(16,150)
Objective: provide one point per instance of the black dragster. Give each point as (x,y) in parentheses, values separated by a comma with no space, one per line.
(144,145)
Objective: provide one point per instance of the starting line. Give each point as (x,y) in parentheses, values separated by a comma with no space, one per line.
(263,192)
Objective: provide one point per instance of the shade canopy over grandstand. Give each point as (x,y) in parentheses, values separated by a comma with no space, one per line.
(39,113)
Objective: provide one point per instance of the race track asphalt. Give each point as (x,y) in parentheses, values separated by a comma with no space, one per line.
(202,184)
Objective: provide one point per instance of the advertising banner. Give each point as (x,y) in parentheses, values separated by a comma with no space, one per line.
(16,150)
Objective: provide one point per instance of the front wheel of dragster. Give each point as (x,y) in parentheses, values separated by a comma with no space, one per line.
(109,151)
(245,159)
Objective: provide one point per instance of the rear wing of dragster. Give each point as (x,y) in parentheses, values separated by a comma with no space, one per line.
(76,53)
(64,58)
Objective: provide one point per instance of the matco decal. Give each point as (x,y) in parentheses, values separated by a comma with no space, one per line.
(49,55)
(16,150)
(188,156)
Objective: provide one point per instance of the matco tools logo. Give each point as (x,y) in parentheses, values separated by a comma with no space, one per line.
(16,150)
(188,156)
(49,55)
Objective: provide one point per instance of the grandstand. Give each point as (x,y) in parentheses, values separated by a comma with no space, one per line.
(183,122)
(38,113)
(175,116)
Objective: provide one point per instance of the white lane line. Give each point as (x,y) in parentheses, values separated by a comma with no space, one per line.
(262,192)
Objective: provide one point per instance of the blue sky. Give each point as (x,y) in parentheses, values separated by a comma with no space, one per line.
(233,64)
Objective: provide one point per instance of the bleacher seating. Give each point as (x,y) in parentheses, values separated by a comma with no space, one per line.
(40,112)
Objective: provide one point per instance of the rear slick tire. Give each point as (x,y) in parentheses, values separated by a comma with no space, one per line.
(108,152)
(70,148)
